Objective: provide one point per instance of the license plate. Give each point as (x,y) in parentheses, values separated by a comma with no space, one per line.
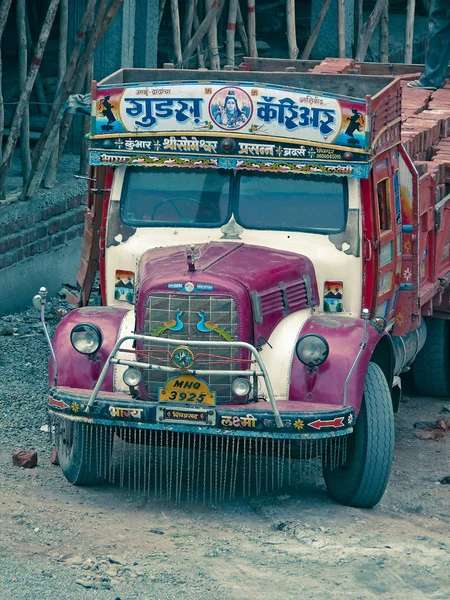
(187,389)
(190,416)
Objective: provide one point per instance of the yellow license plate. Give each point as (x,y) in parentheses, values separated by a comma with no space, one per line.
(187,389)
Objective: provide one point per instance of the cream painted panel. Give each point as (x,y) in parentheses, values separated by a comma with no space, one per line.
(126,327)
(278,359)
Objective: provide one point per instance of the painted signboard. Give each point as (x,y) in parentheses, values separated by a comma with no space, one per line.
(265,111)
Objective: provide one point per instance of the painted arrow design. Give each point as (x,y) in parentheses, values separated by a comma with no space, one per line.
(337,422)
(57,403)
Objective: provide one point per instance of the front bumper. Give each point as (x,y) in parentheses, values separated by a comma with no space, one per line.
(300,420)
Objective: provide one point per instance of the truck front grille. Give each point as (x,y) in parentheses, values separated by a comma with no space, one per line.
(221,311)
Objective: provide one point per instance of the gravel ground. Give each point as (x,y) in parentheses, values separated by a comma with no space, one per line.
(106,543)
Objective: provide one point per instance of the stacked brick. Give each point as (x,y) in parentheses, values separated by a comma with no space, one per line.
(426,132)
(41,231)
(336,66)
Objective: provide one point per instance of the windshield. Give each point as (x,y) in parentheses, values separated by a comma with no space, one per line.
(207,198)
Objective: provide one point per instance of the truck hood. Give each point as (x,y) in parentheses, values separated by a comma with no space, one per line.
(276,283)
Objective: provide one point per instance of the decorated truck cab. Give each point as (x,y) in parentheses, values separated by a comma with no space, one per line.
(261,268)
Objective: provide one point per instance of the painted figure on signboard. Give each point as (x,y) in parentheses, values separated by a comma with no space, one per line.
(227,112)
(106,110)
(332,301)
(355,124)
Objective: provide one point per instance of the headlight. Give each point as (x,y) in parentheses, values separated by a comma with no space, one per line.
(241,387)
(132,377)
(86,338)
(312,350)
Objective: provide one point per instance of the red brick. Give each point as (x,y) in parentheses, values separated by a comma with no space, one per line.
(24,458)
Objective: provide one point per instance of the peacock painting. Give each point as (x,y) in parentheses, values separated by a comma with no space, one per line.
(208,326)
(173,325)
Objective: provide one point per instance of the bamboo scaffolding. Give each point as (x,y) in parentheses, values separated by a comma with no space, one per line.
(341,28)
(176,32)
(384,34)
(100,25)
(359,23)
(291,29)
(409,32)
(84,152)
(231,31)
(211,15)
(25,95)
(315,31)
(4,11)
(251,28)
(369,28)
(46,141)
(50,178)
(23,67)
(162,5)
(214,57)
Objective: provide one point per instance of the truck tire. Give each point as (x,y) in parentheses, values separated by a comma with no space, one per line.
(432,365)
(83,456)
(362,479)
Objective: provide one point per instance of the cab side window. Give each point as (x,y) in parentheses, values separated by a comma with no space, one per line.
(384,205)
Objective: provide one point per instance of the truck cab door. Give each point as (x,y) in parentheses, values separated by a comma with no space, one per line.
(388,236)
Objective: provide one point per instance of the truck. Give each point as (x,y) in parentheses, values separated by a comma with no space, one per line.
(270,262)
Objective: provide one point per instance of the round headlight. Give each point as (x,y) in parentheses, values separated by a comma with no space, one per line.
(86,338)
(312,350)
(241,387)
(132,377)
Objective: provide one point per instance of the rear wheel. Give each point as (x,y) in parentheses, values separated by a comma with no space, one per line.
(362,479)
(431,366)
(84,451)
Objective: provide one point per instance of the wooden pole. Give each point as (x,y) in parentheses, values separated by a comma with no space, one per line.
(214,57)
(241,31)
(23,56)
(315,31)
(409,33)
(369,28)
(48,136)
(341,28)
(84,152)
(162,5)
(203,28)
(231,31)
(4,11)
(384,34)
(359,24)
(191,6)
(38,86)
(291,29)
(50,178)
(252,28)
(25,95)
(200,57)
(175,13)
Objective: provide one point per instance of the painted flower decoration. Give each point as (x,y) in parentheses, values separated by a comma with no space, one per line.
(298,424)
(75,407)
(407,274)
(407,246)
(399,319)
(350,419)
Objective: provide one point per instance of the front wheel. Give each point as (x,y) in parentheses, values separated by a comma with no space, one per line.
(362,479)
(84,451)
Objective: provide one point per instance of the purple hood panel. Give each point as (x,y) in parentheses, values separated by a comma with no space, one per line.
(277,283)
(76,370)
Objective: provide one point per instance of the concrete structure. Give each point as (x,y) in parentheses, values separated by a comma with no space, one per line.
(327,41)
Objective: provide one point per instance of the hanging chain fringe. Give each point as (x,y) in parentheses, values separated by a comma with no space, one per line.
(180,466)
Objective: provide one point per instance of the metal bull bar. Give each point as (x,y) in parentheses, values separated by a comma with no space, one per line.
(158,340)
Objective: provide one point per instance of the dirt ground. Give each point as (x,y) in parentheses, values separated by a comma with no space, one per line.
(63,542)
